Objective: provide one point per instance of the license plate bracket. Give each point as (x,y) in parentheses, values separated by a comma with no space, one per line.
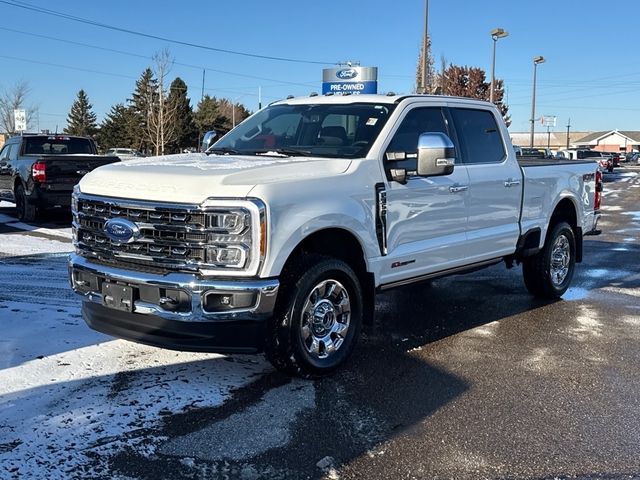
(119,297)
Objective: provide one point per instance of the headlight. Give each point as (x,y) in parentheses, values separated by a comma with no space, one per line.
(234,257)
(236,242)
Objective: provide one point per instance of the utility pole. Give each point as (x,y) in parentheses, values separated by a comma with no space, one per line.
(202,94)
(425,42)
(568,127)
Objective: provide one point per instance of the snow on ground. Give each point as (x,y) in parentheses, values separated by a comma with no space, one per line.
(17,245)
(71,397)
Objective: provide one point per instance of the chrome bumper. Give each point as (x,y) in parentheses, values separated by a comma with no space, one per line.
(87,279)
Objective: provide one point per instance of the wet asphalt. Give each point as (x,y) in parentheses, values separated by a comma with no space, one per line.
(465,377)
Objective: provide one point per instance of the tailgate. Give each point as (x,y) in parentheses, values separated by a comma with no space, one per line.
(64,171)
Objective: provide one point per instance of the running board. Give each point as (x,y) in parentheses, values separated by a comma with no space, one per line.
(442,273)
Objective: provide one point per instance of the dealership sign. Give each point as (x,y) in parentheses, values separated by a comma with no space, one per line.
(350,80)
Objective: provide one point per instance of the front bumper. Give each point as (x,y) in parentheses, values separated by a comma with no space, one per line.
(177,310)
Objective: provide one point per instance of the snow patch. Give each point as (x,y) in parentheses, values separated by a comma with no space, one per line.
(575,293)
(71,397)
(21,245)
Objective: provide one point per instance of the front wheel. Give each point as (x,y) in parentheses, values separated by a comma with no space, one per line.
(548,273)
(318,317)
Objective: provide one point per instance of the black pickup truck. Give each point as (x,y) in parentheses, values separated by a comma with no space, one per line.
(38,172)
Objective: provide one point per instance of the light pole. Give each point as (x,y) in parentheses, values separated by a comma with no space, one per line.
(536,60)
(496,33)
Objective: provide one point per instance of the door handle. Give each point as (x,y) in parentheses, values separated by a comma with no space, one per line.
(511,183)
(458,188)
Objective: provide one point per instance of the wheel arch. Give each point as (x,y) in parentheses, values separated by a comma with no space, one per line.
(567,211)
(342,244)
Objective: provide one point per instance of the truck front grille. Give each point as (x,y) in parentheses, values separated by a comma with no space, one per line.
(171,237)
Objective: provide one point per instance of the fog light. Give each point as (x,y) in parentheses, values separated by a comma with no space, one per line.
(227,301)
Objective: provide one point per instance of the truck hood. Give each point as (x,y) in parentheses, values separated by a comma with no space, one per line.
(194,177)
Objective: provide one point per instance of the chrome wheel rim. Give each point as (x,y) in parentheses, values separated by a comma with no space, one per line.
(326,316)
(560,260)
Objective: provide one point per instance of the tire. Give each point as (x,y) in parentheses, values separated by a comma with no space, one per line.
(548,274)
(26,212)
(317,318)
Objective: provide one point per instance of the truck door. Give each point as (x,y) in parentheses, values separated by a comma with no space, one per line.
(5,171)
(426,216)
(495,190)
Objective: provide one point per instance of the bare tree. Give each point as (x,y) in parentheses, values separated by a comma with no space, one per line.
(14,98)
(429,87)
(161,123)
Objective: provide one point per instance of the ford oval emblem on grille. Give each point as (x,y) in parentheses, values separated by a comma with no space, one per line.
(347,73)
(121,230)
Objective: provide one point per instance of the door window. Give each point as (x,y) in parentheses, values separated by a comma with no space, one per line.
(479,136)
(417,121)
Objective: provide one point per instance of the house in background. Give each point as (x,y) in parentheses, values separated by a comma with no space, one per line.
(611,141)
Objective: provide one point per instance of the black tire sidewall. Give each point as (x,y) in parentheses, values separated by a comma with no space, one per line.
(324,270)
(21,203)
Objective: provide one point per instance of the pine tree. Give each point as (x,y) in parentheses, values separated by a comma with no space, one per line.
(207,114)
(81,120)
(142,104)
(115,129)
(185,130)
(218,114)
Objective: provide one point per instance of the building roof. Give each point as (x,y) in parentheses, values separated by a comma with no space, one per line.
(632,135)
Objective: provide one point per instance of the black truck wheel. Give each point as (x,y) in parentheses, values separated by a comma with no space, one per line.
(318,317)
(548,274)
(26,211)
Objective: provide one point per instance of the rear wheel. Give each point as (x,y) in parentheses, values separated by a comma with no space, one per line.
(548,274)
(26,212)
(318,317)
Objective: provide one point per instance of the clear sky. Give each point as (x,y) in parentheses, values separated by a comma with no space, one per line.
(592,72)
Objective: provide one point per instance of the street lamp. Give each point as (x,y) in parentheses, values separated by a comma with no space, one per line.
(496,33)
(536,60)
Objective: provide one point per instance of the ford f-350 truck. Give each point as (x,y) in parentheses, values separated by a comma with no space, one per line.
(277,237)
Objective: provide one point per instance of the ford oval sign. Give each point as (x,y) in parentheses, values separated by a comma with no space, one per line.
(121,230)
(347,74)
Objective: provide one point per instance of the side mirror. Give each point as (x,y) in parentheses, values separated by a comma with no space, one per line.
(208,139)
(436,155)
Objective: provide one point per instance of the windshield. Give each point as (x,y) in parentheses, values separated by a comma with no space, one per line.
(321,130)
(57,145)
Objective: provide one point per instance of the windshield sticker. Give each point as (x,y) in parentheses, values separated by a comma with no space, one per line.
(372,121)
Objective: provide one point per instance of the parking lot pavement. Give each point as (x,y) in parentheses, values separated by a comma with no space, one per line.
(465,377)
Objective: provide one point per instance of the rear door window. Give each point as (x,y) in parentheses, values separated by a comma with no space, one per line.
(478,135)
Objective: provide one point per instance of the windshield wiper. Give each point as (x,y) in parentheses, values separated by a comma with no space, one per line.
(289,152)
(226,150)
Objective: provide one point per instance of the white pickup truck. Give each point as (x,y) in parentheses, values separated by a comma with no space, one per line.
(278,237)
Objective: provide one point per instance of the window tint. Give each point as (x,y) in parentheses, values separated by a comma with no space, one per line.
(479,136)
(417,121)
(56,145)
